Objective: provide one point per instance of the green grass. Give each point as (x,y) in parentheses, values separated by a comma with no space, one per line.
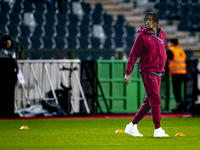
(97,134)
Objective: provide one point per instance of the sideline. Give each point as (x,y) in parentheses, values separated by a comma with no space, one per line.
(106,116)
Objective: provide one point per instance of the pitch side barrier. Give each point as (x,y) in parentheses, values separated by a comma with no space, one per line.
(39,77)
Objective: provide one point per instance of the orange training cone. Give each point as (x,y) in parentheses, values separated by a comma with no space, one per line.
(24,127)
(179,134)
(119,131)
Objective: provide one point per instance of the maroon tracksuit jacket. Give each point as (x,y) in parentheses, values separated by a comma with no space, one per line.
(151,53)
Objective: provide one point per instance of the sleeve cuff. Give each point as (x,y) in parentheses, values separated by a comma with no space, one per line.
(128,73)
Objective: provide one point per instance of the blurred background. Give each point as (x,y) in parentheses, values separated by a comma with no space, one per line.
(76,51)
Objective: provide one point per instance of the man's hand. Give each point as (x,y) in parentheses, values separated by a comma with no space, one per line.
(127,79)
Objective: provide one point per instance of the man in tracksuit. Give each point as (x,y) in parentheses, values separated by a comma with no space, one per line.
(150,48)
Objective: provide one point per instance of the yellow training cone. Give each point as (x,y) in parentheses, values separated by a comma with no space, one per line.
(119,131)
(179,134)
(24,127)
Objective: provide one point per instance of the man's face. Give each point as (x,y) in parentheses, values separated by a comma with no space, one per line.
(149,23)
(8,43)
(170,44)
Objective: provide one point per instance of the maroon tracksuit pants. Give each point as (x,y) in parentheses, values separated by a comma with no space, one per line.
(152,102)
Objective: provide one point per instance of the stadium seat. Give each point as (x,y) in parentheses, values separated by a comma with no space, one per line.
(109,30)
(5,18)
(37,42)
(74,43)
(51,18)
(65,7)
(189,22)
(130,31)
(109,20)
(98,19)
(98,32)
(50,43)
(77,9)
(120,30)
(41,7)
(29,6)
(53,7)
(130,41)
(39,31)
(63,18)
(18,7)
(74,30)
(86,43)
(99,9)
(109,43)
(121,20)
(4,28)
(96,43)
(14,30)
(62,30)
(50,29)
(86,31)
(87,8)
(40,18)
(195,22)
(61,42)
(29,19)
(16,18)
(74,20)
(120,42)
(185,8)
(174,10)
(195,8)
(87,20)
(26,42)
(26,31)
(5,7)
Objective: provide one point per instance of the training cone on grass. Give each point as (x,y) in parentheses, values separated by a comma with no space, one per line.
(24,127)
(119,131)
(179,134)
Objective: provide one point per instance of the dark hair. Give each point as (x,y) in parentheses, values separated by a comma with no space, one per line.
(174,41)
(154,17)
(5,38)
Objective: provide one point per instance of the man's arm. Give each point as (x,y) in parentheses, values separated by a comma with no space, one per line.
(134,54)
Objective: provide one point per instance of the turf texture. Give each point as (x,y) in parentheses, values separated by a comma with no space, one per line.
(66,134)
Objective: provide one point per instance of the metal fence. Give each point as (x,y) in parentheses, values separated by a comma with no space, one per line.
(43,76)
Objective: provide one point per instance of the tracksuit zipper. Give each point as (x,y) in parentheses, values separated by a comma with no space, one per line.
(159,55)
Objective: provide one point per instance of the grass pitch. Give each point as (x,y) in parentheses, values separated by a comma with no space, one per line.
(66,134)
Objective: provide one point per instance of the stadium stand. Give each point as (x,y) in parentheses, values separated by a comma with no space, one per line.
(5,18)
(62,42)
(4,28)
(16,18)
(18,7)
(63,18)
(26,30)
(40,18)
(39,30)
(27,43)
(41,7)
(94,24)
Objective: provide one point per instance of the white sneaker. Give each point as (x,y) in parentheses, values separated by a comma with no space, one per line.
(160,133)
(132,130)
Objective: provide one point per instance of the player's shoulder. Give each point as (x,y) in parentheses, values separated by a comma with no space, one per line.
(140,34)
(162,31)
